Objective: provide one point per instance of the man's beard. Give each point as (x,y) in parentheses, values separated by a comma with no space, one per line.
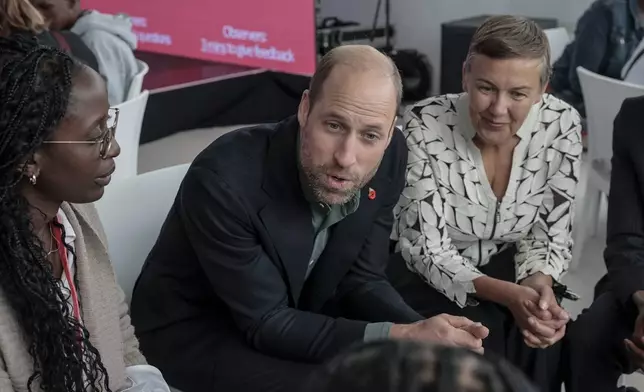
(317,175)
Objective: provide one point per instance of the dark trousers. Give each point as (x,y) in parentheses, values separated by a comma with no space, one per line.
(505,339)
(596,353)
(195,362)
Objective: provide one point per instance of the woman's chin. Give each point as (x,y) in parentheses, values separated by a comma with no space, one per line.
(91,196)
(495,136)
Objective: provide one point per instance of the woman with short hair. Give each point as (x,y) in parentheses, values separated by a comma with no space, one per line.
(483,227)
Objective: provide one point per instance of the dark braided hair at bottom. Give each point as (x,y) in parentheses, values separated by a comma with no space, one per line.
(410,366)
(35,87)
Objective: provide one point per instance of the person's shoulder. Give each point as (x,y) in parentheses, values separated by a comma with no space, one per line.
(45,38)
(99,39)
(238,154)
(434,113)
(86,211)
(434,105)
(439,115)
(397,148)
(87,216)
(605,6)
(553,110)
(244,139)
(611,5)
(627,122)
(552,103)
(633,107)
(80,50)
(600,12)
(558,124)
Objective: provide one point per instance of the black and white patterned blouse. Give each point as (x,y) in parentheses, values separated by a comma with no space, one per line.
(448,220)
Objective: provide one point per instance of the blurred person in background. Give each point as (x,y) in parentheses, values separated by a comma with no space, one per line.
(605,38)
(64,323)
(21,17)
(110,37)
(406,366)
(483,226)
(633,71)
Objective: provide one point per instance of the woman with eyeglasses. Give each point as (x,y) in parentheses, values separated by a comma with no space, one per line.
(64,325)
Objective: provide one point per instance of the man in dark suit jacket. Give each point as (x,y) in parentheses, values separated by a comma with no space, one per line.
(272,258)
(607,340)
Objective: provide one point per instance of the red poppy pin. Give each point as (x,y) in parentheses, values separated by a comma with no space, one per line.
(372,193)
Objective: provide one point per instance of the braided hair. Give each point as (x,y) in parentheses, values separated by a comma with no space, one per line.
(35,92)
(408,366)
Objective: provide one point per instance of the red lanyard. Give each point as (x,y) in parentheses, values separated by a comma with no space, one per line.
(62,253)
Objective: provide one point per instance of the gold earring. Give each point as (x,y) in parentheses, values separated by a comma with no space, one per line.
(33,179)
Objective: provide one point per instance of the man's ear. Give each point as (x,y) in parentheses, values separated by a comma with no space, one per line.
(303,109)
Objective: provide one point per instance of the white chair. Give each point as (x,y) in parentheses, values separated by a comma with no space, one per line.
(603,98)
(132,212)
(136,86)
(128,134)
(558,38)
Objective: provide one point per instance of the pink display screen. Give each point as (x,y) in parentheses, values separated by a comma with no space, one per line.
(273,34)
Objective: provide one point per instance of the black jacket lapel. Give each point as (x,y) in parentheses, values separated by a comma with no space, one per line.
(287,217)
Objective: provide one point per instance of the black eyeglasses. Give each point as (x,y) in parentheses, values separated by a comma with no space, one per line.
(104,141)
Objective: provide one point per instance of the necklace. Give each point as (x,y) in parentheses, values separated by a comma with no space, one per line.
(52,250)
(52,238)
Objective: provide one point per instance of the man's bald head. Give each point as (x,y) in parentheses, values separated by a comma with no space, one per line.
(359,59)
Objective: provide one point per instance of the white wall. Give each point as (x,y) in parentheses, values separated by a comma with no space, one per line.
(418,22)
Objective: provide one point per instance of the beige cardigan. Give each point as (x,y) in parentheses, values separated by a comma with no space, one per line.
(105,313)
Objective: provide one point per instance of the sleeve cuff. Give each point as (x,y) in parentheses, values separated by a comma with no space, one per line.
(145,378)
(547,270)
(377,331)
(546,264)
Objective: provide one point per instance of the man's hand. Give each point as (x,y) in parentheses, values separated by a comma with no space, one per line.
(444,329)
(546,320)
(635,345)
